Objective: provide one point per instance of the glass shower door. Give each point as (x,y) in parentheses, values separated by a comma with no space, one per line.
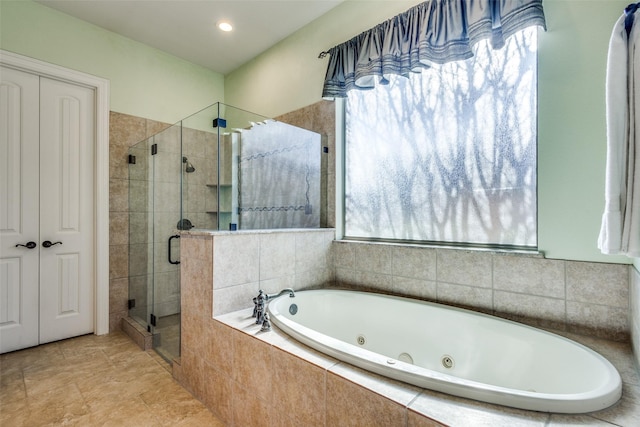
(155,166)
(140,230)
(165,309)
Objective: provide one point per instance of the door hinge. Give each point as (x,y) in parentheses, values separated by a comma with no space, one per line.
(131,303)
(132,159)
(222,123)
(153,319)
(154,149)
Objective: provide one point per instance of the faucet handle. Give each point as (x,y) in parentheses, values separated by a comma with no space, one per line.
(255,307)
(261,298)
(266,323)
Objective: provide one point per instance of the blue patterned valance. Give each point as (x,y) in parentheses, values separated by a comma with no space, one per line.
(433,32)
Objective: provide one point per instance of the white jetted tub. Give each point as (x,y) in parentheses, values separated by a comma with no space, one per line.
(451,350)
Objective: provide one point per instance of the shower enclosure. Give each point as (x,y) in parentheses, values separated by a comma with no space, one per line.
(222,168)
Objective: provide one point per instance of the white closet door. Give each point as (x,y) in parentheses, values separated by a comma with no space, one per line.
(67,139)
(19,209)
(47,140)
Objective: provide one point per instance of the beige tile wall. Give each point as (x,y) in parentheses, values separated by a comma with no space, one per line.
(248,261)
(247,378)
(581,297)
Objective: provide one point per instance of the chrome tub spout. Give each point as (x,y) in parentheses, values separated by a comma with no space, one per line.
(282,292)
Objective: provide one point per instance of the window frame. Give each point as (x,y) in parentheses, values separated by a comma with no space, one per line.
(340,186)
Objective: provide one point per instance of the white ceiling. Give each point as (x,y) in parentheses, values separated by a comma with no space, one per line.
(187,28)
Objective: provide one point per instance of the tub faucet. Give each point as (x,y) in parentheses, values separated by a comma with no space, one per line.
(284,291)
(260,306)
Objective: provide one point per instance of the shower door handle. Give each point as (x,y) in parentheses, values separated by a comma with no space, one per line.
(176,236)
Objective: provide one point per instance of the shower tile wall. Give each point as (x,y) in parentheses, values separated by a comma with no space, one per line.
(124,132)
(201,150)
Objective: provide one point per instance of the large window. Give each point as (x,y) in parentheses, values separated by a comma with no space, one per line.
(449,154)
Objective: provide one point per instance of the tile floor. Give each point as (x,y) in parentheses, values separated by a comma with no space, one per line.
(94,381)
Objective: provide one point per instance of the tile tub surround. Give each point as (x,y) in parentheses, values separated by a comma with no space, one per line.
(579,297)
(251,378)
(221,272)
(269,379)
(247,381)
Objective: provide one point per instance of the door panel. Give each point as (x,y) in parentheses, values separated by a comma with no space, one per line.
(66,187)
(19,209)
(69,288)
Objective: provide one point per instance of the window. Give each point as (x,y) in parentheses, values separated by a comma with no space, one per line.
(449,154)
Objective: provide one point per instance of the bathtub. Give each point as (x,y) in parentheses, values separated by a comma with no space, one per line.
(451,350)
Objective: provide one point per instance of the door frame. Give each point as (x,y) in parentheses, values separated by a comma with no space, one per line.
(101,172)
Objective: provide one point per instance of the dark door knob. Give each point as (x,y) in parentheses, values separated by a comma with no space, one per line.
(29,245)
(48,244)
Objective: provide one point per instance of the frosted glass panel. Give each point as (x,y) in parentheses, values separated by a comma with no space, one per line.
(449,154)
(251,172)
(279,177)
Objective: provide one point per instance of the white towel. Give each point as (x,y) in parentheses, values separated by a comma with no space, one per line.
(620,230)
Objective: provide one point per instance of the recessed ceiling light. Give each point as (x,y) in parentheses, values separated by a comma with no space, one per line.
(224,26)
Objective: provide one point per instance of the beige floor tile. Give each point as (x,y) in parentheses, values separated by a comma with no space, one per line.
(46,355)
(12,414)
(94,381)
(56,406)
(200,419)
(11,386)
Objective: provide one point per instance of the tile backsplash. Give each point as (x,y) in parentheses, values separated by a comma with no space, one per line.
(580,297)
(245,262)
(575,297)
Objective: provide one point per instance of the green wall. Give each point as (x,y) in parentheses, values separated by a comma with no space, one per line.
(145,82)
(290,75)
(572,127)
(571,123)
(572,60)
